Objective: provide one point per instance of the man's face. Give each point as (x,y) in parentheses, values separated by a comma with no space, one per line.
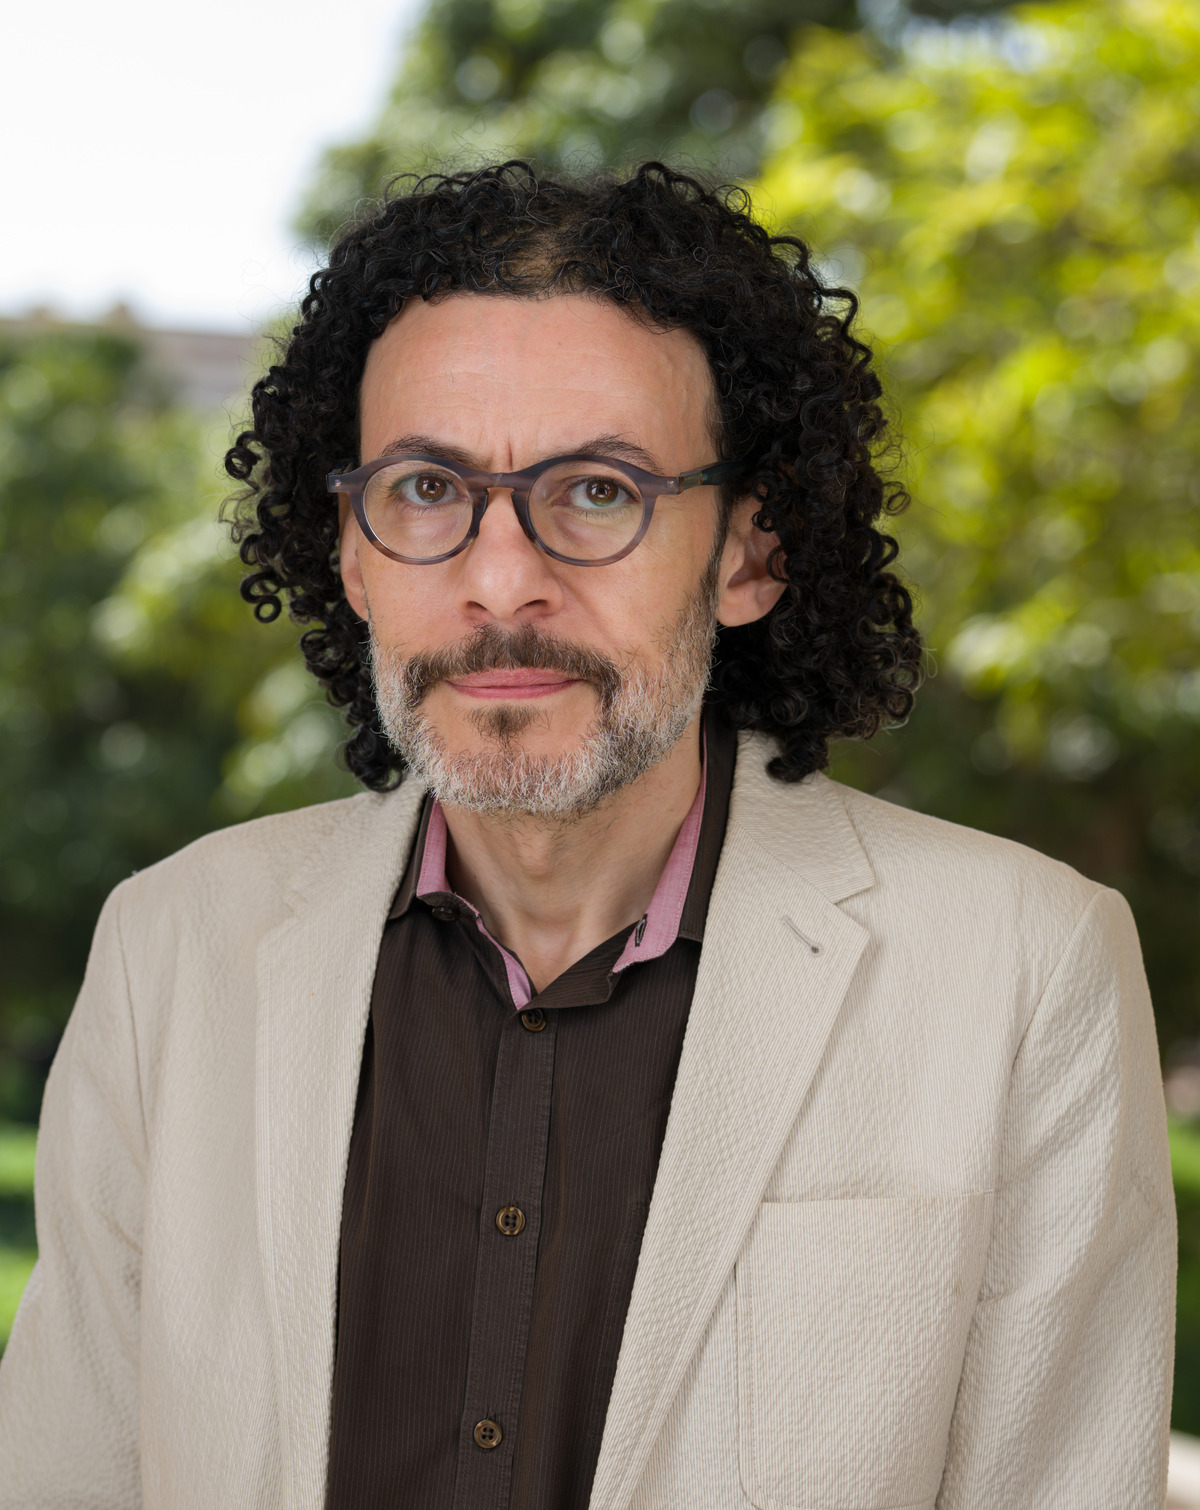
(502,658)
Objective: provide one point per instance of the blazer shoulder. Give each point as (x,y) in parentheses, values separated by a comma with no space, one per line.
(248,863)
(847,844)
(917,850)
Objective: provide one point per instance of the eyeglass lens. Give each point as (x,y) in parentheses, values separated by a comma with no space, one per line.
(582,509)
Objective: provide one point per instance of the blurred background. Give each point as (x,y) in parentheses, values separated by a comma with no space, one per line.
(1014,191)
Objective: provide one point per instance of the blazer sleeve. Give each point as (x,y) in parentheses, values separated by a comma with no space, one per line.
(68,1378)
(1064,1398)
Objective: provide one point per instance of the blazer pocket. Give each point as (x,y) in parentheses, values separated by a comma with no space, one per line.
(852,1321)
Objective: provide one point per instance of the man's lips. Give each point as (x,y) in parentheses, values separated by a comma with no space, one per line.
(531,681)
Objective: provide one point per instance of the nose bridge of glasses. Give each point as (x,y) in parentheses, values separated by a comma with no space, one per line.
(505,487)
(514,485)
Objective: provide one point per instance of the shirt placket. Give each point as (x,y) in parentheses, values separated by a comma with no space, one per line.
(509,1224)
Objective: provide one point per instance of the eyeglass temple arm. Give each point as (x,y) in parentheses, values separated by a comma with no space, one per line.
(720,471)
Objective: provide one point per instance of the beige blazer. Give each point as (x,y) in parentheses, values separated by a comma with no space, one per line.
(912,1239)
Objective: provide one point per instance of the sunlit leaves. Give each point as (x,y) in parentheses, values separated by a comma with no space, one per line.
(1020,207)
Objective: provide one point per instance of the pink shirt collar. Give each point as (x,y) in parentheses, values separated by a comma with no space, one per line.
(648,939)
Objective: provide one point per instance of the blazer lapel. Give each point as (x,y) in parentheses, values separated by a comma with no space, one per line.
(315,972)
(777,960)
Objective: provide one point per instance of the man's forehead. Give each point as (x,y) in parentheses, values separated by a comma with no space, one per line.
(464,333)
(562,370)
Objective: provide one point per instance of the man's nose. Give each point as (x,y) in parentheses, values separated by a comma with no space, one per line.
(504,576)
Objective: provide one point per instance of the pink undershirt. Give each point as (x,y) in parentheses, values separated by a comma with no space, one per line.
(652,936)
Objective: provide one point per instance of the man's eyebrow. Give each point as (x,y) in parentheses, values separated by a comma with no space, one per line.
(428,445)
(616,446)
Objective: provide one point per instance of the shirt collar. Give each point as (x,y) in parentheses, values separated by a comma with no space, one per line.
(680,900)
(659,928)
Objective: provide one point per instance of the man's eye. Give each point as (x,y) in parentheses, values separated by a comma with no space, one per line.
(424,487)
(597,493)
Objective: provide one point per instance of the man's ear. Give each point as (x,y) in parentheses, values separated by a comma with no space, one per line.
(748,590)
(350,545)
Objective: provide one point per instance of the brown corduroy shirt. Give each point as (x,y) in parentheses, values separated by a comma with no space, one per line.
(501,1166)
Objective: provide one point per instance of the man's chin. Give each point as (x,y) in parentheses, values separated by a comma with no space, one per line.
(521,728)
(532,771)
(541,725)
(509,781)
(508,742)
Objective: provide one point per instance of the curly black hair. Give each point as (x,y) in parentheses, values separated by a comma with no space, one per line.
(838,655)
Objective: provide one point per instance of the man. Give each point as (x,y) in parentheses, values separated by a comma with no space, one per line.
(617,1112)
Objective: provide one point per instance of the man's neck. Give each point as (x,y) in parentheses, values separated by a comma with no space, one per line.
(552,892)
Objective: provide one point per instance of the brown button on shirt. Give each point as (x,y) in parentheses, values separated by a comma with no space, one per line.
(501,1166)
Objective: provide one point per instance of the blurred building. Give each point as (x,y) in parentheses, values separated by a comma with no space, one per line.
(203,369)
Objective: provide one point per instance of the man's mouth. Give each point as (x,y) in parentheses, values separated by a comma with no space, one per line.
(519,683)
(494,665)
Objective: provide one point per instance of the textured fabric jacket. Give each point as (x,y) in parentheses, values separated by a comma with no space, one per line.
(911,1242)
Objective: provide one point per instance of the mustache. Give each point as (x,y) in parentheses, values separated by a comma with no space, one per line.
(490,648)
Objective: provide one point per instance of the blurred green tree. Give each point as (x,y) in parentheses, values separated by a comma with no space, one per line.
(1019,207)
(141,705)
(584,82)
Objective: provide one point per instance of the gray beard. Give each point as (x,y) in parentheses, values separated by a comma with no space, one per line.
(641,715)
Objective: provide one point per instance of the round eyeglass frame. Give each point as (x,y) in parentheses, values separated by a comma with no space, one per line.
(353,485)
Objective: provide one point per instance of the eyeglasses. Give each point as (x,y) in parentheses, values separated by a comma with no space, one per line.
(582,510)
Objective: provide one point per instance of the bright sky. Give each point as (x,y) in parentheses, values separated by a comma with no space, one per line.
(156,152)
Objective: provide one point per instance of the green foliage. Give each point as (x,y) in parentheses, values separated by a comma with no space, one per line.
(1019,207)
(582,82)
(141,705)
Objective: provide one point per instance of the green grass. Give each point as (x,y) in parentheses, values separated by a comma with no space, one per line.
(17,1244)
(16,1265)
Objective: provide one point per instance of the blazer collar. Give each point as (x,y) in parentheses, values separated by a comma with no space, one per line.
(315,972)
(777,961)
(803,824)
